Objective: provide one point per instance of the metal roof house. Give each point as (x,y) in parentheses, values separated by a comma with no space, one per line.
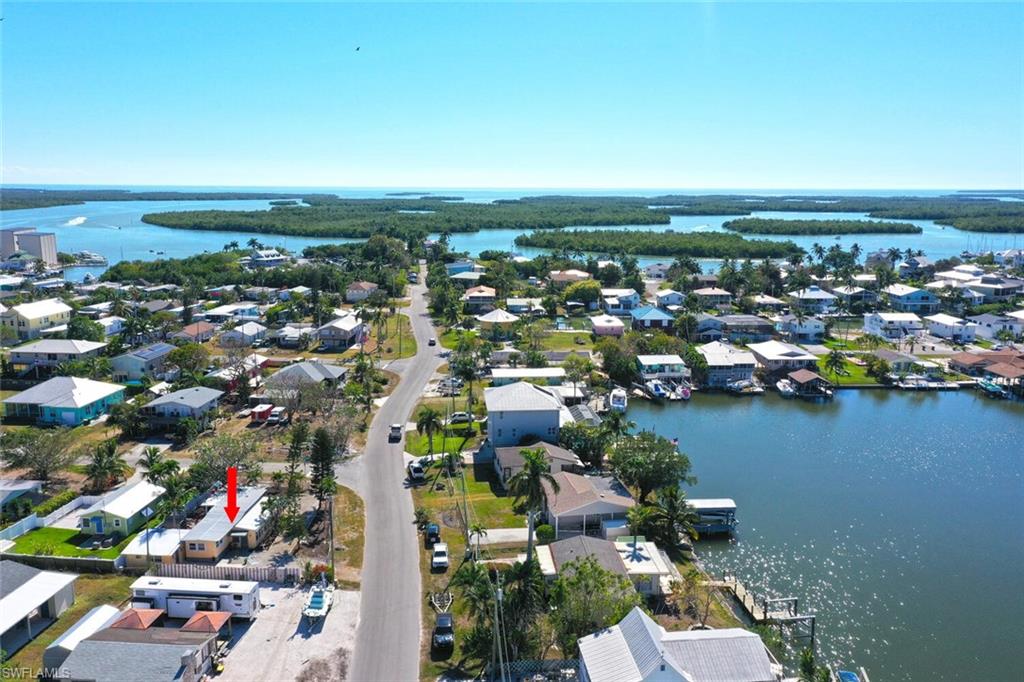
(30,600)
(152,655)
(521,411)
(148,361)
(30,320)
(123,510)
(215,533)
(52,352)
(196,402)
(638,650)
(64,401)
(95,620)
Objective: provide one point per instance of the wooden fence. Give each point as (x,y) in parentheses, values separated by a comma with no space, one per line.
(269,574)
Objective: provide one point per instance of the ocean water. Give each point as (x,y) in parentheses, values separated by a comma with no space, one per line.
(894,517)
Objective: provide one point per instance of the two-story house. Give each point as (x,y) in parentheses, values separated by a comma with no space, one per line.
(908,299)
(52,352)
(521,412)
(30,320)
(149,361)
(619,301)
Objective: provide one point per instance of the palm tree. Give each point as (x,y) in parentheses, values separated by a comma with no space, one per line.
(871,341)
(527,488)
(638,518)
(674,516)
(428,421)
(178,493)
(106,465)
(472,578)
(478,531)
(835,363)
(616,425)
(158,467)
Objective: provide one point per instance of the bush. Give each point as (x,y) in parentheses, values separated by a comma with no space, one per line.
(54,503)
(545,534)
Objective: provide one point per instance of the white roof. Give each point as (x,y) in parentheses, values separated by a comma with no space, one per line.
(162,541)
(229,308)
(943,318)
(777,350)
(645,559)
(899,289)
(498,316)
(898,317)
(812,293)
(37,309)
(249,328)
(347,323)
(606,321)
(659,360)
(720,354)
(527,372)
(1017,314)
(24,599)
(666,292)
(520,397)
(708,503)
(65,392)
(955,275)
(95,620)
(624,293)
(165,584)
(67,346)
(127,500)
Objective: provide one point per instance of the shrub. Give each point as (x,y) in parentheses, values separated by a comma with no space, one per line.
(545,534)
(54,503)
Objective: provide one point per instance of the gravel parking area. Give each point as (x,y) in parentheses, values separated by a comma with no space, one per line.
(282,645)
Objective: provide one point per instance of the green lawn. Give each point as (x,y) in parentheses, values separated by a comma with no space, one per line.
(450,338)
(567,341)
(90,591)
(64,542)
(456,441)
(349,536)
(854,374)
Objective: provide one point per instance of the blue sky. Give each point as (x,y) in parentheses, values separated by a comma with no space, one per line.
(504,95)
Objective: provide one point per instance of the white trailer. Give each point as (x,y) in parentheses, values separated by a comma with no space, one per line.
(183,597)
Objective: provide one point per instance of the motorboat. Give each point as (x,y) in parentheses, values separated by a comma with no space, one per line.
(786,388)
(657,390)
(744,387)
(991,389)
(618,400)
(318,599)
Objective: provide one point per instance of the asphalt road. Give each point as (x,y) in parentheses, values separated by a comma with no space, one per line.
(388,637)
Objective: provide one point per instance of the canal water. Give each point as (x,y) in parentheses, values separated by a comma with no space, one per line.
(895,517)
(115,230)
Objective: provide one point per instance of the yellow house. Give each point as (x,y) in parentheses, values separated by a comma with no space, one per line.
(29,320)
(216,533)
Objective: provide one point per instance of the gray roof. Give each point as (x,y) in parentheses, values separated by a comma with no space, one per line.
(66,346)
(13,575)
(151,352)
(556,456)
(65,392)
(216,525)
(308,372)
(585,414)
(520,396)
(120,655)
(194,397)
(580,546)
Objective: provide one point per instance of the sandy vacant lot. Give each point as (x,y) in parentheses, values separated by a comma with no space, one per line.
(281,645)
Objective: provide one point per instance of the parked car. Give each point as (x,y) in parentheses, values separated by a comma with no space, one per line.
(432,341)
(459,418)
(395,434)
(432,534)
(277,416)
(439,557)
(453,382)
(416,472)
(444,632)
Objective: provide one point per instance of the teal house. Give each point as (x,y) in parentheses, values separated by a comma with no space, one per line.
(63,401)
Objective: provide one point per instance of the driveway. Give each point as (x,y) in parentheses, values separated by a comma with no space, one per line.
(282,645)
(388,638)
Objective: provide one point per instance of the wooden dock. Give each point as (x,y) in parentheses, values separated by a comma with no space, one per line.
(781,612)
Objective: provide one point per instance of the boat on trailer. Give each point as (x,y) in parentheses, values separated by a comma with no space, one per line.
(318,599)
(618,400)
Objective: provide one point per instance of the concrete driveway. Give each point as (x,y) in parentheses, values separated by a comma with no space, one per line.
(388,638)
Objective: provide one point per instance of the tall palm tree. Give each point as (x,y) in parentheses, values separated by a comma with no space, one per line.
(835,363)
(106,465)
(527,488)
(475,583)
(638,518)
(674,516)
(178,493)
(478,531)
(615,424)
(428,421)
(158,467)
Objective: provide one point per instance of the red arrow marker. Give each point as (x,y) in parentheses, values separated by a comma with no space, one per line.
(231,509)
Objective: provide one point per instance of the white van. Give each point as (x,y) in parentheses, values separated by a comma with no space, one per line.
(277,415)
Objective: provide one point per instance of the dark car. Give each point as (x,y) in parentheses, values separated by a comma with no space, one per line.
(444,632)
(432,534)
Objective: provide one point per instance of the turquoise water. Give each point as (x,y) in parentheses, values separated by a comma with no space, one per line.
(115,230)
(895,517)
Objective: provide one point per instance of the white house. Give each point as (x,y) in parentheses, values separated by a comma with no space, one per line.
(726,363)
(521,411)
(243,335)
(267,258)
(990,325)
(640,650)
(552,376)
(619,301)
(228,311)
(670,367)
(776,356)
(813,299)
(909,299)
(196,402)
(893,325)
(52,352)
(359,291)
(713,296)
(669,299)
(112,324)
(801,330)
(607,325)
(342,332)
(29,601)
(949,327)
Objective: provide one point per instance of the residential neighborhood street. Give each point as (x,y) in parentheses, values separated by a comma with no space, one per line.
(388,637)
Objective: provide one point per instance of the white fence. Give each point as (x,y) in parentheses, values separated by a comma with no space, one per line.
(269,574)
(15,530)
(32,521)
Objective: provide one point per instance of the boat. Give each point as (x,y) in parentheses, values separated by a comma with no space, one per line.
(318,599)
(657,390)
(786,388)
(991,389)
(716,516)
(618,400)
(89,278)
(744,387)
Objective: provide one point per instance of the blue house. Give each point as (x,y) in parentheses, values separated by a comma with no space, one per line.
(650,317)
(64,401)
